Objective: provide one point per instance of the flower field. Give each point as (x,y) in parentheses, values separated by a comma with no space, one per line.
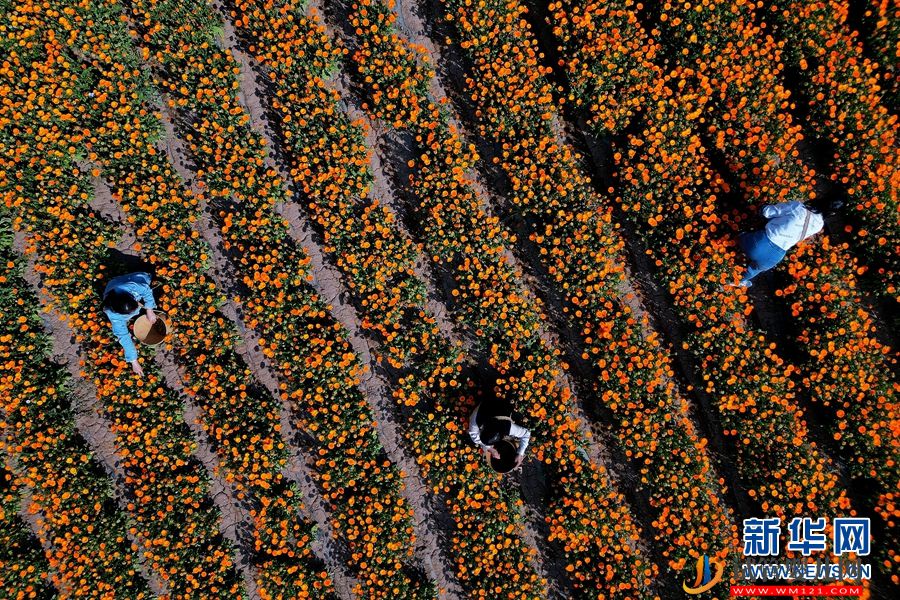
(362,218)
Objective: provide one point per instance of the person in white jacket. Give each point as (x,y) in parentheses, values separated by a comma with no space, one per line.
(789,224)
(490,423)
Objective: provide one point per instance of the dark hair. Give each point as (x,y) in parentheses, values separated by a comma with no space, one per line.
(494,430)
(824,207)
(120,302)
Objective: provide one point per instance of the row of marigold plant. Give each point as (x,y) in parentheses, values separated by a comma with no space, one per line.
(26,569)
(80,525)
(318,372)
(652,430)
(848,369)
(665,150)
(493,302)
(521,62)
(240,418)
(837,330)
(881,19)
(846,107)
(174,521)
(737,64)
(329,160)
(784,472)
(26,572)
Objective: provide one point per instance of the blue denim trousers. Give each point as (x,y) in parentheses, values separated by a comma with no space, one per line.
(763,254)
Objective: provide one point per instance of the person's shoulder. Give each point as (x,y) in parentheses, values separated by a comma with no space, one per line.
(131,277)
(819,221)
(137,278)
(797,210)
(116,283)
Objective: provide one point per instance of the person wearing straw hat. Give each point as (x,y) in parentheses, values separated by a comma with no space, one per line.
(122,300)
(490,423)
(789,224)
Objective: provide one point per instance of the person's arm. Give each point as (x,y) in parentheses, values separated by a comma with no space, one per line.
(523,435)
(144,290)
(120,330)
(776,210)
(474,433)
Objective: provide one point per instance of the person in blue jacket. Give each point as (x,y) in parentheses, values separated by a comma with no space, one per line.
(122,300)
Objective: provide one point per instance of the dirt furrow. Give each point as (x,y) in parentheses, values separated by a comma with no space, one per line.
(297,470)
(32,519)
(233,514)
(225,278)
(382,188)
(579,375)
(440,306)
(326,546)
(89,422)
(387,177)
(327,281)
